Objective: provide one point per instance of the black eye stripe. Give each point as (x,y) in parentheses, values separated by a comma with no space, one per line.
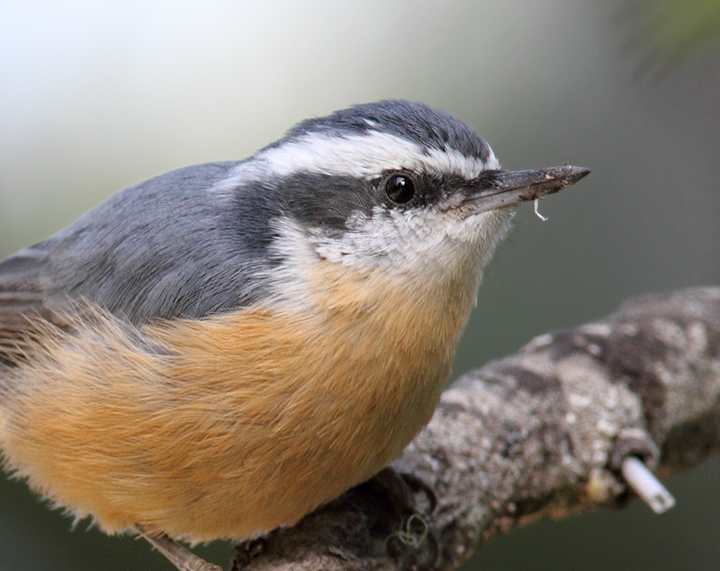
(400,187)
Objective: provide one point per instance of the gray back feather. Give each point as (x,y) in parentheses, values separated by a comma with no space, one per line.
(158,250)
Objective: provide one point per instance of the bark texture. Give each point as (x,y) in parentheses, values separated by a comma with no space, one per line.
(540,433)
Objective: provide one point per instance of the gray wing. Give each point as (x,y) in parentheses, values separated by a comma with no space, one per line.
(168,247)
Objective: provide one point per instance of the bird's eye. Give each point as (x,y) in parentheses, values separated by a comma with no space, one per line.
(400,188)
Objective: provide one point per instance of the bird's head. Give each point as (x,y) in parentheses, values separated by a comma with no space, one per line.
(395,187)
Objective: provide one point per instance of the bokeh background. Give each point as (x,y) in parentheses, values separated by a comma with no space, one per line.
(97,96)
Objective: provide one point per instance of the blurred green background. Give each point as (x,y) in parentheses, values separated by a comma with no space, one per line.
(97,96)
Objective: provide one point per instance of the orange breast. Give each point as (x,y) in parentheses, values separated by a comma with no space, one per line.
(233,425)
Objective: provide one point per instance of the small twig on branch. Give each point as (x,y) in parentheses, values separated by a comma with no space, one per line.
(545,432)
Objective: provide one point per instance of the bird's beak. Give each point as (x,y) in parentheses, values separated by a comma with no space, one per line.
(496,189)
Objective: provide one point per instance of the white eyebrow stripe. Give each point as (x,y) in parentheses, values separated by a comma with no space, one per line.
(365,156)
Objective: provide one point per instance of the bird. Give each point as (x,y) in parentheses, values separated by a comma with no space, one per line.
(218,351)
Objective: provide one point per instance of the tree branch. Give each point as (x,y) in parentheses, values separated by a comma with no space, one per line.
(540,433)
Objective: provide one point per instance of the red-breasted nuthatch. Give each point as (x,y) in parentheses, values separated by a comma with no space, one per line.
(217,351)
